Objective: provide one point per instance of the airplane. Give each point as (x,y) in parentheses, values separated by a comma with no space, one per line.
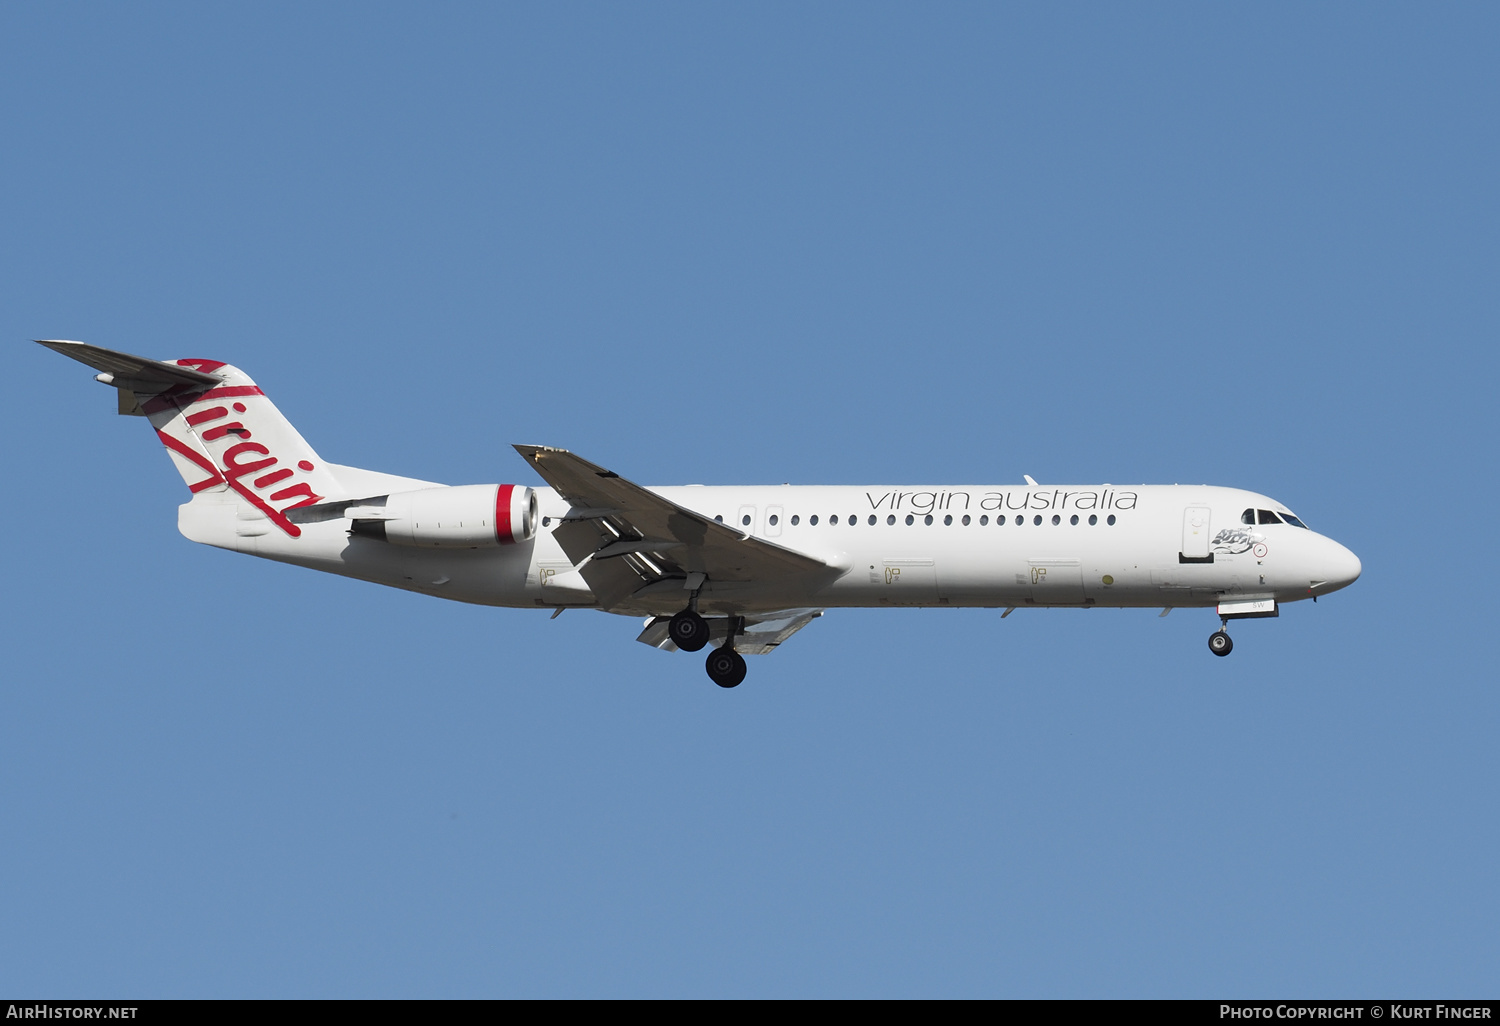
(742,568)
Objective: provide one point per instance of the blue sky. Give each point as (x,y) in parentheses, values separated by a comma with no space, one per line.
(842,243)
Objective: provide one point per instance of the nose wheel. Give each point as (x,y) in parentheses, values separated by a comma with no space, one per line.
(1220,644)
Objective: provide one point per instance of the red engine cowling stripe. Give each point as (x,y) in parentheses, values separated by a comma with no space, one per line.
(502,515)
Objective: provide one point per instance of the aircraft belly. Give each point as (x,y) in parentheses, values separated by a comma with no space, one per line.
(492,577)
(1188,584)
(495,577)
(976,576)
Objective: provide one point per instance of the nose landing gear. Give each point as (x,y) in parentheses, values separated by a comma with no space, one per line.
(1219,642)
(1239,609)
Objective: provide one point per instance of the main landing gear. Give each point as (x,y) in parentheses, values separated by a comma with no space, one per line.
(688,630)
(1219,642)
(725,666)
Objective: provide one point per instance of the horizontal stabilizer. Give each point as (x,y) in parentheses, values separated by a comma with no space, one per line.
(131,372)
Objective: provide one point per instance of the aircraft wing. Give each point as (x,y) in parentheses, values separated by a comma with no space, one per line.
(762,632)
(631,538)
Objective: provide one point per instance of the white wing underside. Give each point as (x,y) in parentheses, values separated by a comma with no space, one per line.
(762,632)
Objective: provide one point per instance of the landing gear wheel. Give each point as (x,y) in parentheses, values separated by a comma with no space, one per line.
(688,631)
(725,666)
(1220,644)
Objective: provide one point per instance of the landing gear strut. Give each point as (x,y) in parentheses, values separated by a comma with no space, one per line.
(1219,642)
(725,666)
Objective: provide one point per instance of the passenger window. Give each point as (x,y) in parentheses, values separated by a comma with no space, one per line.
(1093,519)
(813,520)
(984,521)
(834,519)
(1111,520)
(927,520)
(796,520)
(1036,521)
(853,519)
(745,519)
(1294,521)
(719,518)
(890,519)
(910,520)
(1056,520)
(966,520)
(948,520)
(1000,520)
(1247,517)
(1267,517)
(775,520)
(1074,520)
(872,519)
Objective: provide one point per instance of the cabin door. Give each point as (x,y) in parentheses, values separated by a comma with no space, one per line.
(1195,536)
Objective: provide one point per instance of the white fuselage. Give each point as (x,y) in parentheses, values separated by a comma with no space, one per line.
(745,567)
(994,546)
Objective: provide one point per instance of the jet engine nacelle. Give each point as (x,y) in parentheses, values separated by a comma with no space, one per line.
(462,517)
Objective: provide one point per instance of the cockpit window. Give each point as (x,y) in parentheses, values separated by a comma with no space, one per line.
(1293,521)
(1247,517)
(1267,517)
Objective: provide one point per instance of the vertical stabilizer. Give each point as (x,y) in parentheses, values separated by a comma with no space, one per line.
(223,435)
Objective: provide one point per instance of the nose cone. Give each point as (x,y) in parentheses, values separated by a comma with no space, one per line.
(1341,567)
